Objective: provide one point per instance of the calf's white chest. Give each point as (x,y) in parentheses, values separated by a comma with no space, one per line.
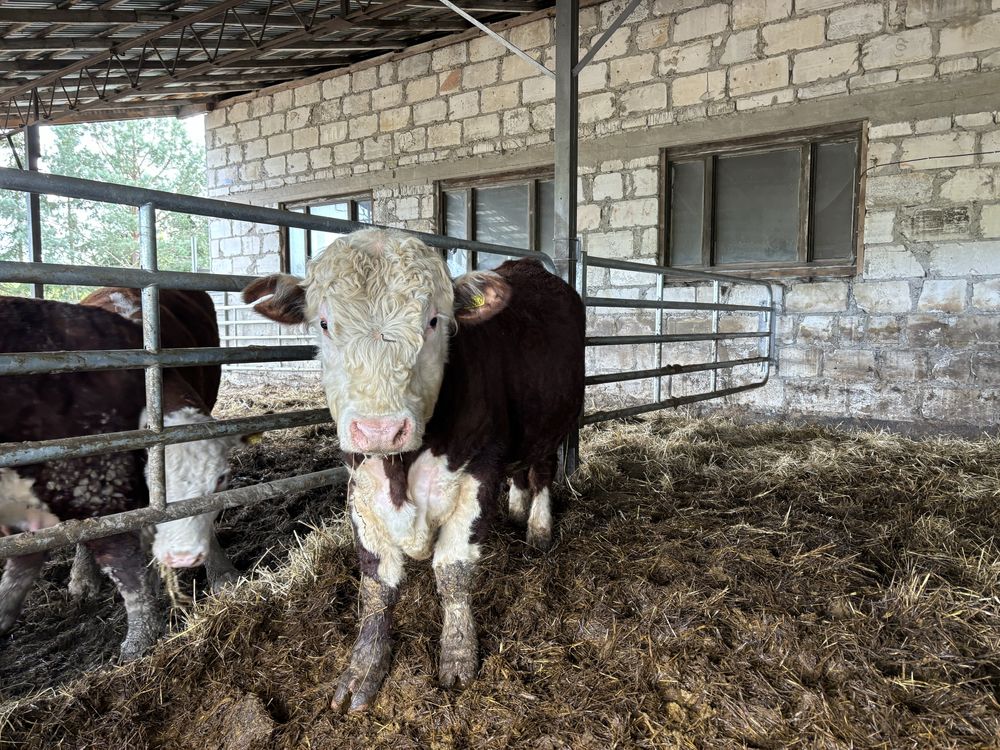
(433,493)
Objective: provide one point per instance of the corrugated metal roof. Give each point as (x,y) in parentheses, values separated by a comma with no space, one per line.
(80,60)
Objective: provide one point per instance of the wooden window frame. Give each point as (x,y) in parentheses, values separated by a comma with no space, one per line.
(352,201)
(807,141)
(530,177)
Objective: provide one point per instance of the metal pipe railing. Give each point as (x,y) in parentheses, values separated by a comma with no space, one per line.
(658,338)
(40,363)
(19,454)
(72,187)
(73,531)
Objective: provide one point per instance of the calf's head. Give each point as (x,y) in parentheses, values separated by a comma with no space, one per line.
(192,470)
(383,307)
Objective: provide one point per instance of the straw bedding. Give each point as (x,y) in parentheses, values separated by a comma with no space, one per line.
(715,584)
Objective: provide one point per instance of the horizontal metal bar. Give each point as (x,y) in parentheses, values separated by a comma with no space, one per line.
(279,337)
(594,261)
(666,338)
(659,372)
(135,278)
(106,192)
(669,403)
(39,363)
(21,454)
(71,532)
(670,305)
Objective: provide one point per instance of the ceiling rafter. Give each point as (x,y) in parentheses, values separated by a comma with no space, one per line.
(77,57)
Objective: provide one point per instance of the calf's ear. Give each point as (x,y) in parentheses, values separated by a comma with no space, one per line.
(287,300)
(479,296)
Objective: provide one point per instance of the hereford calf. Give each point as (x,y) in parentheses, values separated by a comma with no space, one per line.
(61,405)
(439,391)
(187,319)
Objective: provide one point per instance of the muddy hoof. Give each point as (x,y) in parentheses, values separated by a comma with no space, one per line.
(457,670)
(356,688)
(221,580)
(540,539)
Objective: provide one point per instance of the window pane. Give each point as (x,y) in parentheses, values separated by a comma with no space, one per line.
(297,251)
(687,211)
(545,208)
(501,218)
(757,207)
(455,225)
(320,240)
(834,170)
(365,211)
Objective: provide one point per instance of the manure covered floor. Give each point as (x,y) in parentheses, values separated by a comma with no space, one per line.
(715,584)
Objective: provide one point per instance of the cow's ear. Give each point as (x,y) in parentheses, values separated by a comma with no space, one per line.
(287,300)
(479,296)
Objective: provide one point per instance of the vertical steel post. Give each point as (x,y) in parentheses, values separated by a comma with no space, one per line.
(32,147)
(715,331)
(567,101)
(658,347)
(155,468)
(564,214)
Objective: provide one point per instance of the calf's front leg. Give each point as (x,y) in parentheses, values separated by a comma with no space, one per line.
(455,557)
(218,568)
(84,576)
(18,575)
(121,557)
(372,652)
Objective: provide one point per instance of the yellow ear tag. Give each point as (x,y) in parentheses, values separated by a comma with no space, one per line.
(478,301)
(253,438)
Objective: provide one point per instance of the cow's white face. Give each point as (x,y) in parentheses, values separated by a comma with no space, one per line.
(193,469)
(382,306)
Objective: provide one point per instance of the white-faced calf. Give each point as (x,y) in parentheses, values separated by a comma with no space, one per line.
(440,390)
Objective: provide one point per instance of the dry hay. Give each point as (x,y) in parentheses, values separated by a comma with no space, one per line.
(716,585)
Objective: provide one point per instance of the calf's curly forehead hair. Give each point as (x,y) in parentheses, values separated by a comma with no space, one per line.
(387,268)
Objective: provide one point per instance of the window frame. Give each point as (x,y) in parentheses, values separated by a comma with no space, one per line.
(807,141)
(352,212)
(530,177)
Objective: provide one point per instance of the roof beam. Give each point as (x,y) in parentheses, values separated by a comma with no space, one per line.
(28,16)
(169,44)
(291,63)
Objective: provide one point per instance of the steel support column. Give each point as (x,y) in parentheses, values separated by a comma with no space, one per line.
(565,239)
(567,101)
(32,148)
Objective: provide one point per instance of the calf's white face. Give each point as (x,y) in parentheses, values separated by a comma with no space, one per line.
(192,469)
(382,305)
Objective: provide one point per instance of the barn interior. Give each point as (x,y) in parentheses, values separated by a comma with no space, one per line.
(747,555)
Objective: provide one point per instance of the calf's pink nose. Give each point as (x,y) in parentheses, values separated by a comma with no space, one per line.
(380,434)
(183,559)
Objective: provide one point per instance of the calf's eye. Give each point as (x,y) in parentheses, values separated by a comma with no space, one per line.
(433,322)
(323,324)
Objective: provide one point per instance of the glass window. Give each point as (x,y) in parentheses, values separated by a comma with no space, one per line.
(515,213)
(787,203)
(757,207)
(301,246)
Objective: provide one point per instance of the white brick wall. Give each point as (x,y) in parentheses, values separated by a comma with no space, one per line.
(906,339)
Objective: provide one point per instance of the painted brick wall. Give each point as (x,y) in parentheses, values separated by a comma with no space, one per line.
(909,338)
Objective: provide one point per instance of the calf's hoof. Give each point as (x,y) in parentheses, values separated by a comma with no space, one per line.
(458,668)
(84,588)
(539,538)
(356,688)
(7,622)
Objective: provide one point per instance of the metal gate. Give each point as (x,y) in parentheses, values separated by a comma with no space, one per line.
(153,359)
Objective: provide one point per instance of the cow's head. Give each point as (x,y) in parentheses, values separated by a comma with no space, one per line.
(383,307)
(193,469)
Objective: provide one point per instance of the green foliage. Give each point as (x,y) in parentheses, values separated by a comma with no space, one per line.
(156,154)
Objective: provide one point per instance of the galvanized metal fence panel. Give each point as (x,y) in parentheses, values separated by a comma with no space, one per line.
(662,277)
(153,359)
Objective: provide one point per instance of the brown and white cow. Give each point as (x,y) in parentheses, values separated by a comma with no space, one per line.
(187,319)
(440,390)
(62,405)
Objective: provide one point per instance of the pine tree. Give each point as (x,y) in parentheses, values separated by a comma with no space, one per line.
(156,154)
